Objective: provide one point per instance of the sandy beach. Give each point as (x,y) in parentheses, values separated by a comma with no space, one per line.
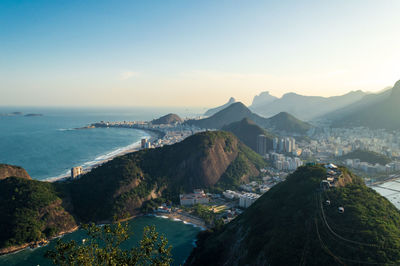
(185,218)
(113,154)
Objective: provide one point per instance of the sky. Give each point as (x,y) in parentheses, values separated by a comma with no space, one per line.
(193,53)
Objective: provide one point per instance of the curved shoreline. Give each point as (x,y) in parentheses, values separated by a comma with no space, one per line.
(16,249)
(133,147)
(175,217)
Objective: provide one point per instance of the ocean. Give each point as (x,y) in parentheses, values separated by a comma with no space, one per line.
(48,146)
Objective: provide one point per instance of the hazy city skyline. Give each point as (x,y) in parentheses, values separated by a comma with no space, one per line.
(193,53)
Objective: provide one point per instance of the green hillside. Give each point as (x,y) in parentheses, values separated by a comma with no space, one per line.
(292,225)
(120,186)
(288,123)
(247,131)
(367,156)
(30,211)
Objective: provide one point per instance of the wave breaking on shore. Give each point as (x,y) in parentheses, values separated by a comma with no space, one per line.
(87,166)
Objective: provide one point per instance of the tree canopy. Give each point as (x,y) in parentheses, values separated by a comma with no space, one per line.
(103,247)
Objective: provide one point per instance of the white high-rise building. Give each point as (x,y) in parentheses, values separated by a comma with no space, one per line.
(76,171)
(288,145)
(247,199)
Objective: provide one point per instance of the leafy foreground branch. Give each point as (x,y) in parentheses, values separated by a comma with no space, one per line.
(103,248)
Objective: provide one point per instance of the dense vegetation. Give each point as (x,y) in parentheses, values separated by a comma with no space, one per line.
(248,131)
(285,122)
(240,170)
(292,224)
(125,186)
(103,247)
(367,156)
(202,161)
(30,211)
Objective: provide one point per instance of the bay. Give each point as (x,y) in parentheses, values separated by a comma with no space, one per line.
(48,146)
(180,235)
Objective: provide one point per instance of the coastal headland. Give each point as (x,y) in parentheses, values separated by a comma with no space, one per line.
(158,136)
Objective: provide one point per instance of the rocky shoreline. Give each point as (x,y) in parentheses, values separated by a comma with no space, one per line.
(14,249)
(175,216)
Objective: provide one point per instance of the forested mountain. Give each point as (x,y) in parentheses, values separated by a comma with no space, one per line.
(282,122)
(299,223)
(32,210)
(248,131)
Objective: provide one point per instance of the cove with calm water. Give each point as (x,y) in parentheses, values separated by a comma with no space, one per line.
(180,235)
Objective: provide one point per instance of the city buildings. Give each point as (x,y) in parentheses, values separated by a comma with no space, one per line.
(197,197)
(229,194)
(76,172)
(247,199)
(262,144)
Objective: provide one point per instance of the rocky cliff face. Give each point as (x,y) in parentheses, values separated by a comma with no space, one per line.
(7,170)
(203,168)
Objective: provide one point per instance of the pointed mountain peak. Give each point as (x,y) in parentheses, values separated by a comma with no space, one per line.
(215,110)
(396,90)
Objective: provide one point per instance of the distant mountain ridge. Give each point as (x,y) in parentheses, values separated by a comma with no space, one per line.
(282,122)
(264,98)
(374,111)
(303,107)
(215,110)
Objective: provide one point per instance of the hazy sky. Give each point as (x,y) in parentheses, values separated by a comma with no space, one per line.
(193,53)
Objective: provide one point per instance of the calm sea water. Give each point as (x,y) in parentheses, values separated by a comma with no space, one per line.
(181,236)
(48,146)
